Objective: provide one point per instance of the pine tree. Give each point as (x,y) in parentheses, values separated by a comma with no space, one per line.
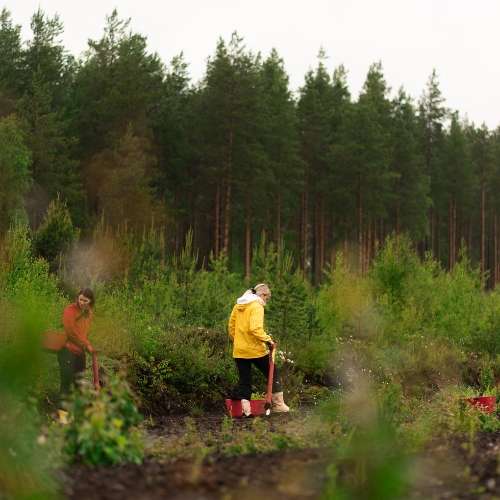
(45,80)
(56,236)
(10,63)
(342,206)
(45,56)
(458,180)
(52,170)
(117,84)
(172,131)
(493,155)
(372,178)
(281,145)
(120,180)
(231,109)
(482,151)
(412,184)
(431,116)
(314,110)
(14,172)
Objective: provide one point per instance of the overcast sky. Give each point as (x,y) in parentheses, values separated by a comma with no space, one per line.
(459,38)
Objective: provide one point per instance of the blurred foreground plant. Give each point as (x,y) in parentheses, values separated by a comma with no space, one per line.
(25,471)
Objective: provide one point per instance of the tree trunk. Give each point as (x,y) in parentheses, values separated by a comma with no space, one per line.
(482,225)
(227,207)
(304,226)
(217,222)
(278,242)
(495,253)
(469,238)
(360,229)
(398,212)
(322,237)
(438,237)
(346,246)
(248,247)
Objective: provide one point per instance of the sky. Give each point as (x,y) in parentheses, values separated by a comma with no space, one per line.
(460,39)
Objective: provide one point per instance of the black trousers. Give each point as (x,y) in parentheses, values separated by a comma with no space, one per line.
(70,365)
(245,372)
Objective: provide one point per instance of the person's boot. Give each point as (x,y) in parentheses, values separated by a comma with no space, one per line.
(63,417)
(278,403)
(246,409)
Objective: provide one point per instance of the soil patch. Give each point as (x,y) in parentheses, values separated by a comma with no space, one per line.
(292,474)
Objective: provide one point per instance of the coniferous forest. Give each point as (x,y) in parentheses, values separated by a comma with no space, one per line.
(130,148)
(372,218)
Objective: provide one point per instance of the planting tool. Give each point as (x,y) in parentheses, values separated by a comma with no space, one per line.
(96,371)
(257,406)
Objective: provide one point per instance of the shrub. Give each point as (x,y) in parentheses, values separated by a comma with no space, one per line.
(103,430)
(56,237)
(25,468)
(392,267)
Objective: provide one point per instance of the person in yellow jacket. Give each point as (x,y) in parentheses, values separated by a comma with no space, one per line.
(246,330)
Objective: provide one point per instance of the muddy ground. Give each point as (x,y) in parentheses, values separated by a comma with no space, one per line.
(448,470)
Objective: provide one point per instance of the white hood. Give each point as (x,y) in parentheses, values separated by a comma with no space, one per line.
(246,298)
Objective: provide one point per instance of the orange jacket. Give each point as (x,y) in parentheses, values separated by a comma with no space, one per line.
(77,330)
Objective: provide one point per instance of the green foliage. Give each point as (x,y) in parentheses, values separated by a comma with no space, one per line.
(288,314)
(392,268)
(344,304)
(123,173)
(56,237)
(368,464)
(25,466)
(15,159)
(103,430)
(185,367)
(29,303)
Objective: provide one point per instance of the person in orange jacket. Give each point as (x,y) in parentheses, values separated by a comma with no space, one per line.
(246,330)
(77,320)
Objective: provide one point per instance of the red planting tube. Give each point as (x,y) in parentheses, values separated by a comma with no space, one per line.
(271,374)
(96,371)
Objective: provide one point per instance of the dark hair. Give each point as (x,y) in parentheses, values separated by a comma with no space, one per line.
(87,292)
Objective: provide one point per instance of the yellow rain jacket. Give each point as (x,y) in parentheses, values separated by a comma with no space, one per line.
(246,328)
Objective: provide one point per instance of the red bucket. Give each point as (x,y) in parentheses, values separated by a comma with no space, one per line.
(486,403)
(52,341)
(234,410)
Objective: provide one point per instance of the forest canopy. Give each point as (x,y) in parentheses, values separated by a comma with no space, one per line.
(119,145)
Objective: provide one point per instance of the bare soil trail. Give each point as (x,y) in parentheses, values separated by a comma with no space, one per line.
(448,470)
(291,474)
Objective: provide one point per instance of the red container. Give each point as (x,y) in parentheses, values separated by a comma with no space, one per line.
(234,410)
(52,341)
(486,403)
(257,406)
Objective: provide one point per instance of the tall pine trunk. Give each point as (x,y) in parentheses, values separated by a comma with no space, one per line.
(438,237)
(278,222)
(248,246)
(217,222)
(495,253)
(305,202)
(360,229)
(227,207)
(482,226)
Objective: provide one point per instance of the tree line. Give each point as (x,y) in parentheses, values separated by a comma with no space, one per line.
(238,156)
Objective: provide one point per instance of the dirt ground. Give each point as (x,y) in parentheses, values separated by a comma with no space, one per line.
(450,470)
(292,474)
